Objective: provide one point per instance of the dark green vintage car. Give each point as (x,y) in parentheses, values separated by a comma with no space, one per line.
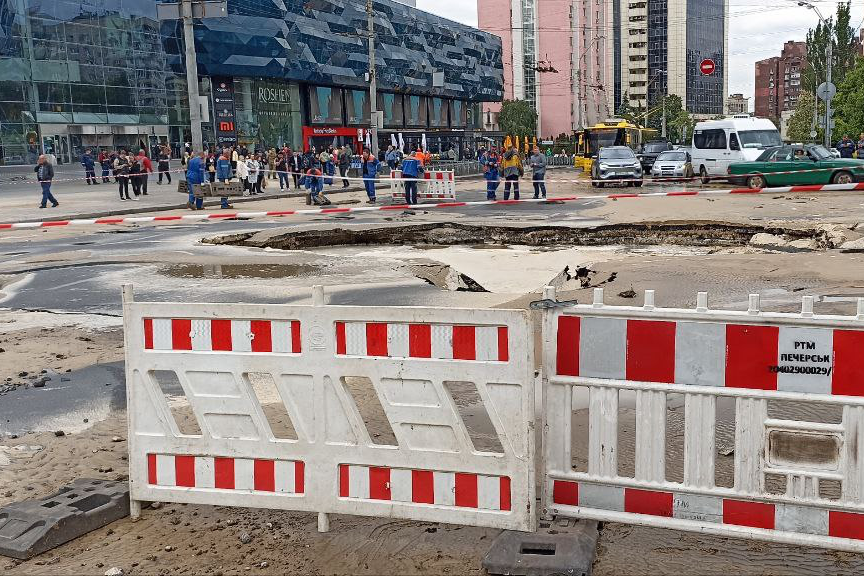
(796,165)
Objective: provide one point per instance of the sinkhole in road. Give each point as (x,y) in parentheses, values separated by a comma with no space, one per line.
(511,258)
(680,233)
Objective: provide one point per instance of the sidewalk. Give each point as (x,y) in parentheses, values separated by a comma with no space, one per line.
(78,200)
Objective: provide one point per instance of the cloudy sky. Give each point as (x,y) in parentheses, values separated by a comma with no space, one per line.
(758,29)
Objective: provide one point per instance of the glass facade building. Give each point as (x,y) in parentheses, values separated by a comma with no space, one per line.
(82,74)
(705,40)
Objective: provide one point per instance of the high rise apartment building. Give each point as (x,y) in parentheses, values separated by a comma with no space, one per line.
(778,81)
(578,61)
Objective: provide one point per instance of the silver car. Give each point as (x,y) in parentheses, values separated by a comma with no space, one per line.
(672,164)
(616,164)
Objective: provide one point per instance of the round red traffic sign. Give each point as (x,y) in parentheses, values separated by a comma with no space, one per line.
(707,67)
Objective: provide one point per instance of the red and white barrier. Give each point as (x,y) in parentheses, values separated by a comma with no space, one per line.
(314,356)
(597,358)
(436,185)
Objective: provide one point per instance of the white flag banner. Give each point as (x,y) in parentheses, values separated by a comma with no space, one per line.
(401,143)
(393,141)
(423,142)
(368,141)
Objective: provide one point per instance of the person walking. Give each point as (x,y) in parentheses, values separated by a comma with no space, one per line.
(223,173)
(45,174)
(271,163)
(135,170)
(490,173)
(391,157)
(344,165)
(210,166)
(121,174)
(511,169)
(252,170)
(295,165)
(370,171)
(164,165)
(89,167)
(146,170)
(234,157)
(538,172)
(846,147)
(412,170)
(242,173)
(282,170)
(860,146)
(105,162)
(195,176)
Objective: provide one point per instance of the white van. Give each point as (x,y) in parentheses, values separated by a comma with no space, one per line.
(740,138)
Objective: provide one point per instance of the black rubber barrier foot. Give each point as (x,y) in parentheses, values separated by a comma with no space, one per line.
(561,546)
(32,527)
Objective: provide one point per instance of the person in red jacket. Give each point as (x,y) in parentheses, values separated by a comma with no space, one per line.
(146,169)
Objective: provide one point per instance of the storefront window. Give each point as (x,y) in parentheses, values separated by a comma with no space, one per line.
(415,110)
(391,105)
(437,113)
(357,107)
(325,105)
(458,114)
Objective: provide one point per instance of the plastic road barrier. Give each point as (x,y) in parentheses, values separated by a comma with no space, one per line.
(786,389)
(436,185)
(412,358)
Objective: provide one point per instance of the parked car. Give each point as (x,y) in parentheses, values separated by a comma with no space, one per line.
(615,163)
(719,143)
(796,165)
(672,164)
(650,151)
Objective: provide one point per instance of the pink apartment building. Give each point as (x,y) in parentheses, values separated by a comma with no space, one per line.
(577,61)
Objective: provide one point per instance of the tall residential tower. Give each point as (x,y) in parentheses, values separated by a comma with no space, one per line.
(577,61)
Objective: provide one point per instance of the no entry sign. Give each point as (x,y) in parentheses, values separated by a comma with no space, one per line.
(707,67)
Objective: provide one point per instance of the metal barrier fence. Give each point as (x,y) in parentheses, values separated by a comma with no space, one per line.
(770,442)
(367,397)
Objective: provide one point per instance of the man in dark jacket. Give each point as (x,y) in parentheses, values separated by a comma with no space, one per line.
(344,164)
(846,147)
(45,174)
(89,167)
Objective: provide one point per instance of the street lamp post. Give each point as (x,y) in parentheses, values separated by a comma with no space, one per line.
(829,57)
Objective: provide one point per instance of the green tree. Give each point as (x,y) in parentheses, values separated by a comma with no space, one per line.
(801,122)
(849,102)
(844,55)
(517,118)
(626,111)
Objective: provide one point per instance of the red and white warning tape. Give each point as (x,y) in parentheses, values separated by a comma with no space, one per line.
(391,207)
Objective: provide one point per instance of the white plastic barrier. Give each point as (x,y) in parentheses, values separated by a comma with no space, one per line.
(436,471)
(786,389)
(436,185)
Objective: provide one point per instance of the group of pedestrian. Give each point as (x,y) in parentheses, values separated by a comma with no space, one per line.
(849,149)
(510,165)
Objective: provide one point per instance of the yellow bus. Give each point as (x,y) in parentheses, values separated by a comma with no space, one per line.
(611,132)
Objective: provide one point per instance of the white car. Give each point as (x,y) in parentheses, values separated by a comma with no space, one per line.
(672,164)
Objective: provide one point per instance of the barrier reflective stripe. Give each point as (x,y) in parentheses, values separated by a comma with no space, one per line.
(435,341)
(425,487)
(718,510)
(203,335)
(790,387)
(737,355)
(289,408)
(225,473)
